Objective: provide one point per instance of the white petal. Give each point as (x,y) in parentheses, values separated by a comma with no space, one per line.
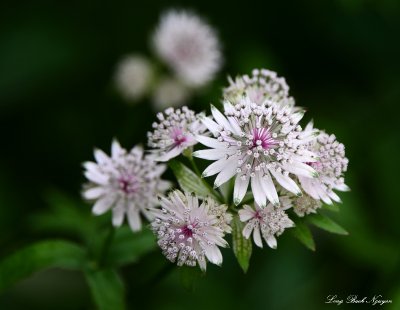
(246,213)
(240,189)
(220,118)
(259,195)
(300,169)
(269,189)
(334,196)
(271,241)
(217,166)
(211,154)
(101,157)
(226,174)
(257,236)
(93,193)
(103,204)
(96,177)
(210,124)
(286,182)
(171,154)
(213,254)
(118,215)
(134,218)
(248,228)
(211,142)
(116,149)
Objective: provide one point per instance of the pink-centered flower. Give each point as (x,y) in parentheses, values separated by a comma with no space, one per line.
(257,144)
(127,183)
(330,165)
(267,223)
(189,232)
(174,132)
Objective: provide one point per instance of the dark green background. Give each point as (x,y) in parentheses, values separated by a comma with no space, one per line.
(341,59)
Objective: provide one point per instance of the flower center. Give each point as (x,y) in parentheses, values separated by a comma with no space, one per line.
(128,184)
(262,137)
(178,136)
(187,231)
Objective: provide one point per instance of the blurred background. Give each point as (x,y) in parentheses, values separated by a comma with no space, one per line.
(57,101)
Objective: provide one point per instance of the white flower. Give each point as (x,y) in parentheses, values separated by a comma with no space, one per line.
(257,143)
(331,165)
(174,132)
(267,222)
(134,76)
(170,92)
(126,182)
(188,46)
(220,212)
(262,85)
(187,231)
(302,205)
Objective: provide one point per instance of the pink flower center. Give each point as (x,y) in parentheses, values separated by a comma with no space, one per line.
(178,136)
(128,184)
(187,230)
(262,137)
(316,165)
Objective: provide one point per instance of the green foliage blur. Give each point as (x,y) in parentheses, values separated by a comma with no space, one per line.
(57,101)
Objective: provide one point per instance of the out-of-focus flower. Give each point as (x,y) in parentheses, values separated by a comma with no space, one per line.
(170,92)
(263,85)
(330,166)
(255,142)
(267,222)
(134,76)
(174,132)
(187,231)
(126,182)
(189,46)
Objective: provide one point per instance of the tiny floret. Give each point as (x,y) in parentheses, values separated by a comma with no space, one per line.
(330,166)
(268,223)
(189,232)
(170,92)
(127,182)
(174,132)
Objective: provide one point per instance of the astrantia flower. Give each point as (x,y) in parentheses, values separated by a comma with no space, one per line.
(301,205)
(169,92)
(255,143)
(134,76)
(267,222)
(126,182)
(224,218)
(174,132)
(262,85)
(188,46)
(188,232)
(331,165)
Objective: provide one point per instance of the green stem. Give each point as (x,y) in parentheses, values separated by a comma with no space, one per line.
(106,246)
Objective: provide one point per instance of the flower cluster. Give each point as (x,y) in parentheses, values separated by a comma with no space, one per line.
(271,167)
(190,50)
(189,232)
(126,182)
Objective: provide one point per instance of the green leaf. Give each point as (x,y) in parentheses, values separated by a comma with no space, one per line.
(189,181)
(326,223)
(242,247)
(189,277)
(128,247)
(107,289)
(303,234)
(39,256)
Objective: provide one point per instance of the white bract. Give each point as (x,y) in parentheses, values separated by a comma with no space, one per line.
(189,46)
(331,165)
(256,144)
(188,232)
(134,76)
(174,132)
(126,182)
(267,223)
